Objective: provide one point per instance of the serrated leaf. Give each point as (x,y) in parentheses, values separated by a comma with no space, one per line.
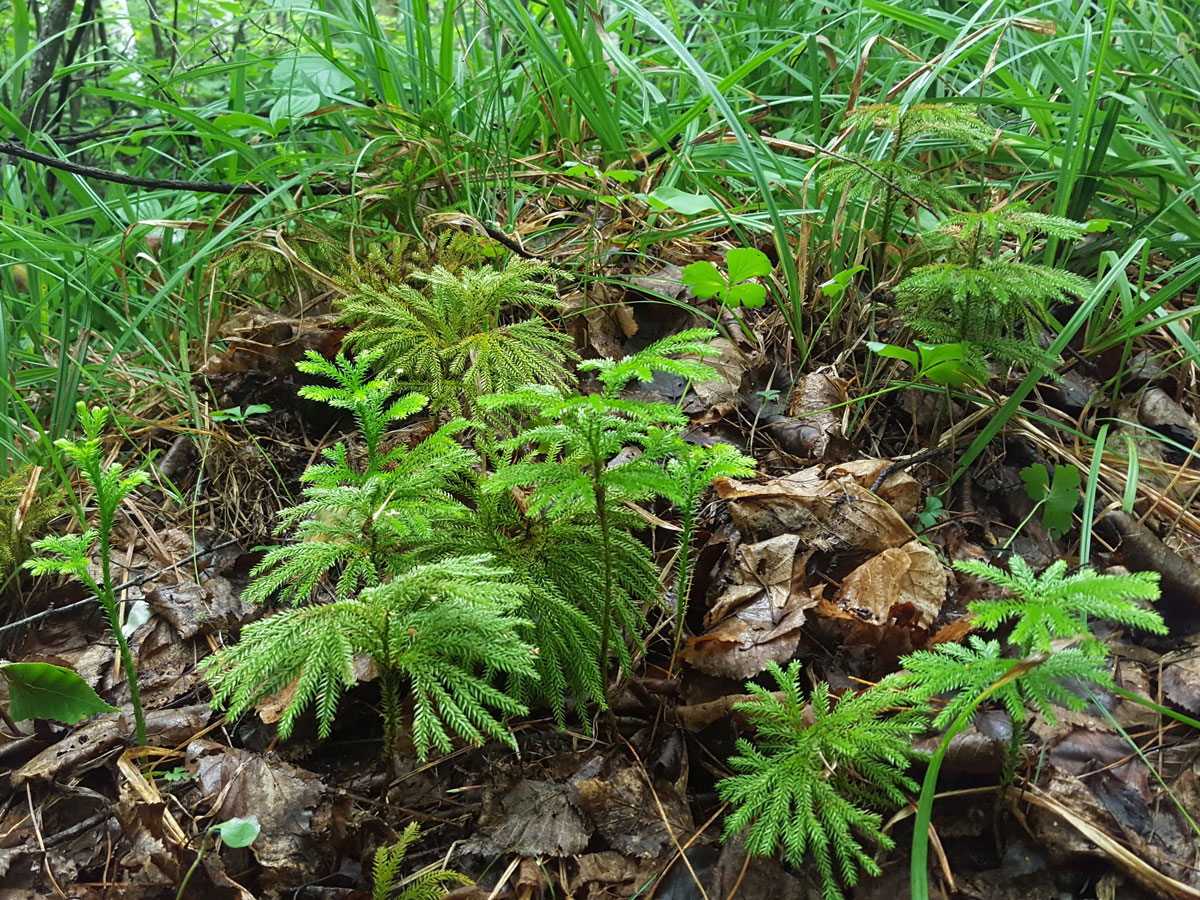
(750,296)
(44,691)
(1061,501)
(746,262)
(581,170)
(622,175)
(704,279)
(1037,482)
(239,832)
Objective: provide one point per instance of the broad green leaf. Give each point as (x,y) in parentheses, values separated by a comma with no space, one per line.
(311,72)
(622,176)
(746,262)
(581,170)
(750,296)
(1037,482)
(293,104)
(239,832)
(1061,501)
(682,202)
(836,286)
(894,351)
(946,364)
(44,691)
(705,279)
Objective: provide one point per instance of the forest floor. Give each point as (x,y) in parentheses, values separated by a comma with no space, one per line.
(1095,805)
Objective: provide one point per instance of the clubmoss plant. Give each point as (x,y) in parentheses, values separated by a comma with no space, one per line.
(428,885)
(560,561)
(578,459)
(447,338)
(816,777)
(691,473)
(71,554)
(819,773)
(981,292)
(362,511)
(1053,650)
(433,628)
(868,177)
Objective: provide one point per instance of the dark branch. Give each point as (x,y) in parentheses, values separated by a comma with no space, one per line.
(170,184)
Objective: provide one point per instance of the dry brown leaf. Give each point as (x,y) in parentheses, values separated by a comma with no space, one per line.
(911,574)
(899,489)
(298,814)
(717,398)
(823,514)
(534,818)
(817,401)
(757,618)
(1180,683)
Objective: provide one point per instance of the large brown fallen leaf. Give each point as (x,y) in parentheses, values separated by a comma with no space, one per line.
(624,812)
(823,514)
(757,619)
(300,816)
(533,818)
(911,574)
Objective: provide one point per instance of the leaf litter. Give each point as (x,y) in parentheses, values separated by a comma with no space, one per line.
(820,560)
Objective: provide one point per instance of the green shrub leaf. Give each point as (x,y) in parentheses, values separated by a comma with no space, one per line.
(239,832)
(43,691)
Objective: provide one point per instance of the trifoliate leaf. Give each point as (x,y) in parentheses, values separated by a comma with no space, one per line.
(704,279)
(1037,482)
(1058,496)
(746,262)
(1060,504)
(43,691)
(750,296)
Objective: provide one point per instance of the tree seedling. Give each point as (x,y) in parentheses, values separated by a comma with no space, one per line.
(732,287)
(70,554)
(235,832)
(1056,499)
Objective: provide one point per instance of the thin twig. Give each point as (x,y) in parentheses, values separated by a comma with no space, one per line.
(900,464)
(886,182)
(170,184)
(53,610)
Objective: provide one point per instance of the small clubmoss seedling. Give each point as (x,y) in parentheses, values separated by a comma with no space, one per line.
(70,554)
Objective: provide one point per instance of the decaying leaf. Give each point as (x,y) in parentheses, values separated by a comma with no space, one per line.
(298,813)
(758,617)
(718,398)
(910,574)
(817,403)
(533,818)
(823,514)
(1180,682)
(618,804)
